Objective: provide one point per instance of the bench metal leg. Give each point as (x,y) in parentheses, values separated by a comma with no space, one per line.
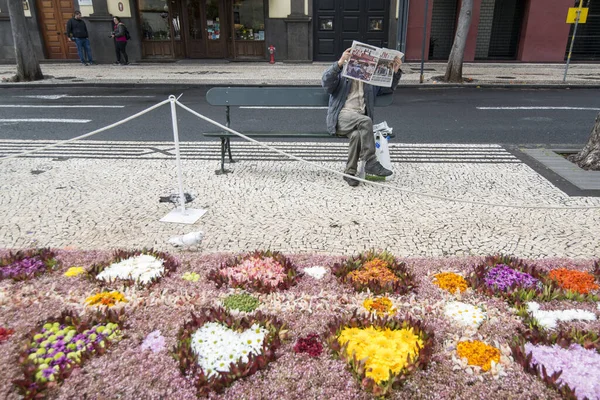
(225,145)
(231,160)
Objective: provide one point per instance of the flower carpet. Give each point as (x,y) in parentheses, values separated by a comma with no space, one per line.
(143,324)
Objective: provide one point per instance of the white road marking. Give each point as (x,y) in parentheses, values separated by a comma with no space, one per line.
(539,108)
(62,120)
(55,106)
(61,96)
(282,108)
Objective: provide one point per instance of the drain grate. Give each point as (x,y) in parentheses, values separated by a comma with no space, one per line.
(506,77)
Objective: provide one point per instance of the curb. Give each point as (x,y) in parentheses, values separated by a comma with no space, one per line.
(130,85)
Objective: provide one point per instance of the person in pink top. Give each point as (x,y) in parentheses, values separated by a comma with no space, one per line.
(120,35)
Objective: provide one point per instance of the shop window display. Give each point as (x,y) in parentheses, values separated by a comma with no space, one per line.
(249,19)
(157,21)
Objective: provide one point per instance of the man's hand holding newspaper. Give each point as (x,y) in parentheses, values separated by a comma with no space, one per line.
(370,64)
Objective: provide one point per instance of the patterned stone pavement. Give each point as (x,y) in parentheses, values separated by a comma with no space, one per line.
(94,203)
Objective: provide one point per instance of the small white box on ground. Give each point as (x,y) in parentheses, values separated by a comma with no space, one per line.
(189,216)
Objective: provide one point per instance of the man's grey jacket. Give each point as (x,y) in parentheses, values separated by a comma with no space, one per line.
(338,88)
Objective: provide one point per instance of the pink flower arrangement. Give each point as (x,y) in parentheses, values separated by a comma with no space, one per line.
(265,269)
(260,271)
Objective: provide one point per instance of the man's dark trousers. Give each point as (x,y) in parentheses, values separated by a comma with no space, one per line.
(84,50)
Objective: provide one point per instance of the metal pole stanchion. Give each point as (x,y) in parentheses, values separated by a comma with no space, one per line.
(180,214)
(426,12)
(573,39)
(177,154)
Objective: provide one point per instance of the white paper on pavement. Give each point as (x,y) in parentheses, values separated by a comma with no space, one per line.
(370,64)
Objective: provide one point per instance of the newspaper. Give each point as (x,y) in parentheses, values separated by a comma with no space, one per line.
(370,64)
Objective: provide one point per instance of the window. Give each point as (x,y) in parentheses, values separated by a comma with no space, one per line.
(154,15)
(249,19)
(375,24)
(325,23)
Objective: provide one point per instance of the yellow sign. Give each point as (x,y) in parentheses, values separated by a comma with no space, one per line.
(572,15)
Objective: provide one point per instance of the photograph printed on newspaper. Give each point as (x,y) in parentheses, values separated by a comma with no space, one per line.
(370,64)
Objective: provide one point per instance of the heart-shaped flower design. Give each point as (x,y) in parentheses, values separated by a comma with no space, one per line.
(381,353)
(217,349)
(260,271)
(142,268)
(60,344)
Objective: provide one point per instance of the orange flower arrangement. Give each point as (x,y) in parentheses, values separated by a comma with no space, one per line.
(478,353)
(106,299)
(374,270)
(381,306)
(577,281)
(450,282)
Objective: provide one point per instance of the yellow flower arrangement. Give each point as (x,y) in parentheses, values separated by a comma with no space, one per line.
(381,306)
(384,350)
(478,353)
(450,282)
(74,271)
(106,299)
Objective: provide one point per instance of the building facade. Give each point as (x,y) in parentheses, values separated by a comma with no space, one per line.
(308,30)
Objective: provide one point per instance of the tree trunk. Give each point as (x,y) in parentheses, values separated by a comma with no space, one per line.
(457,54)
(589,156)
(28,66)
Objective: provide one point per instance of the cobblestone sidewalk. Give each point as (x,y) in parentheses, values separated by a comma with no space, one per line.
(191,72)
(288,206)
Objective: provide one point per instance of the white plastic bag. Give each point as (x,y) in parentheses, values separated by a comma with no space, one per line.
(361,169)
(382,151)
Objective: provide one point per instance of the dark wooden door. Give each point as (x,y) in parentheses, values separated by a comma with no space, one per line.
(339,22)
(53,16)
(206,30)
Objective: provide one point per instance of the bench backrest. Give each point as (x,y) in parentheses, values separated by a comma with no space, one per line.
(276,96)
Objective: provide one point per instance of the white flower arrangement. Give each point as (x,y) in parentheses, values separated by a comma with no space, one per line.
(141,269)
(464,314)
(316,272)
(548,319)
(217,346)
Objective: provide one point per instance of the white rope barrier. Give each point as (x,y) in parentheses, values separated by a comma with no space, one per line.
(174,101)
(422,194)
(134,116)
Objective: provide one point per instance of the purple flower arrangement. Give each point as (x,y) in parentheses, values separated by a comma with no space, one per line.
(504,277)
(27,264)
(579,367)
(60,344)
(26,267)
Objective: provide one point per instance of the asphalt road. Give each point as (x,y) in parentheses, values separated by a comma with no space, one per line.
(428,115)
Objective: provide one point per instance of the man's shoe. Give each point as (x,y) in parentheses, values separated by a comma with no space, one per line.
(351,182)
(373,167)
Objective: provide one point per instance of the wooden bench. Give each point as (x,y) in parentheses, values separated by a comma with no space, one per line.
(270,97)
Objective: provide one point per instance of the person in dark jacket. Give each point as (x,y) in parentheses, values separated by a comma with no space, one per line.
(77,32)
(350,114)
(120,37)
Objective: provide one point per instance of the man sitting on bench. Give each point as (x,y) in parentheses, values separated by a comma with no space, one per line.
(350,114)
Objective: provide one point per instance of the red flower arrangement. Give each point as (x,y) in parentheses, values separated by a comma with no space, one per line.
(309,344)
(5,334)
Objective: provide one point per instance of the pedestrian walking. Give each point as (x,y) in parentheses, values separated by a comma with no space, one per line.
(77,32)
(120,35)
(350,114)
